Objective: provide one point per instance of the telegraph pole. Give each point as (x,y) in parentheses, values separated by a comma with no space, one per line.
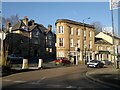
(112,16)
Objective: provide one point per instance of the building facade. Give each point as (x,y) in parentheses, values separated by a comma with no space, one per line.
(50,40)
(105,50)
(29,40)
(74,40)
(102,49)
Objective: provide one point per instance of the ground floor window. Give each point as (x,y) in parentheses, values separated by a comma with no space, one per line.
(60,54)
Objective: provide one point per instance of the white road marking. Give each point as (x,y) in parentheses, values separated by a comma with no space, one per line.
(6,80)
(70,87)
(38,82)
(19,81)
(54,85)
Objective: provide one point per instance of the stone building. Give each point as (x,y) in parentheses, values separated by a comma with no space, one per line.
(28,39)
(74,40)
(104,46)
(50,39)
(102,49)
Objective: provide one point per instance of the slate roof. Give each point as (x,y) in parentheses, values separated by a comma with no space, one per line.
(111,35)
(101,41)
(19,25)
(74,22)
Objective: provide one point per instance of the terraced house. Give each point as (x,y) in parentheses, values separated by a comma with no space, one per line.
(104,46)
(74,40)
(30,40)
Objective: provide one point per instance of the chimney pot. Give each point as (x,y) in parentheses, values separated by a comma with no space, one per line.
(8,24)
(49,27)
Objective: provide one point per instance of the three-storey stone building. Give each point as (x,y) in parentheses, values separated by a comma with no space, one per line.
(74,40)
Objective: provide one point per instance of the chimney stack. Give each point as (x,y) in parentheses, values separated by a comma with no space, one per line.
(25,20)
(8,25)
(49,27)
(32,22)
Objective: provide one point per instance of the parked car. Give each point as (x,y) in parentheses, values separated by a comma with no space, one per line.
(107,62)
(95,63)
(14,59)
(62,60)
(14,56)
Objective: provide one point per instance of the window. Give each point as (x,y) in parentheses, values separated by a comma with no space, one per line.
(60,29)
(78,43)
(61,42)
(90,44)
(21,41)
(60,54)
(35,41)
(71,42)
(78,32)
(71,31)
(49,40)
(101,48)
(35,33)
(84,33)
(90,34)
(84,44)
(108,48)
(50,43)
(50,49)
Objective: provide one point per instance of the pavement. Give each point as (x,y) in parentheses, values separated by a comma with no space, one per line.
(108,75)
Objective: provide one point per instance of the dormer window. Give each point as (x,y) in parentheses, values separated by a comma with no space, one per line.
(21,41)
(25,28)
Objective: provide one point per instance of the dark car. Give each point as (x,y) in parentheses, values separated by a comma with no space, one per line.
(62,60)
(14,56)
(107,62)
(95,63)
(14,59)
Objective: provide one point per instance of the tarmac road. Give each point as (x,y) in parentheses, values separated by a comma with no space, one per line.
(64,77)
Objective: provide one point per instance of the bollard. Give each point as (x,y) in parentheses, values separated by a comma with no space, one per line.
(40,63)
(25,64)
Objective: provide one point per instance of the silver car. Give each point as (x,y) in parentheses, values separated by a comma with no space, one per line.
(95,63)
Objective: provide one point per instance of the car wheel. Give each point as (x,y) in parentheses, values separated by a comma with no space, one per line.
(97,66)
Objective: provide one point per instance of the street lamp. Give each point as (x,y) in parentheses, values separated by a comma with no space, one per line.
(76,54)
(30,35)
(84,39)
(85,54)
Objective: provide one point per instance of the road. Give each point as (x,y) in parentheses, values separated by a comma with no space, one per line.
(62,77)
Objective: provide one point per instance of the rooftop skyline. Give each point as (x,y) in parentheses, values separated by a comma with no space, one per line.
(48,12)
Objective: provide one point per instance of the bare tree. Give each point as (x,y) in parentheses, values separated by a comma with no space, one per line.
(13,19)
(98,26)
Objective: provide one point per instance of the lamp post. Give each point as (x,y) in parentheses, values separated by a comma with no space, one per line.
(30,35)
(76,54)
(84,48)
(85,55)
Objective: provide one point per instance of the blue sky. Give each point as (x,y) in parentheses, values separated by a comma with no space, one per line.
(48,12)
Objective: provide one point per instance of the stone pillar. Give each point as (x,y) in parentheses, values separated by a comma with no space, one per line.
(102,56)
(93,55)
(25,64)
(40,63)
(81,56)
(109,57)
(97,56)
(88,56)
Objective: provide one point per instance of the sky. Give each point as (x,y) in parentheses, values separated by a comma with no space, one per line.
(48,12)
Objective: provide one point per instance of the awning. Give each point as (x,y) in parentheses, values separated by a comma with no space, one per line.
(104,52)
